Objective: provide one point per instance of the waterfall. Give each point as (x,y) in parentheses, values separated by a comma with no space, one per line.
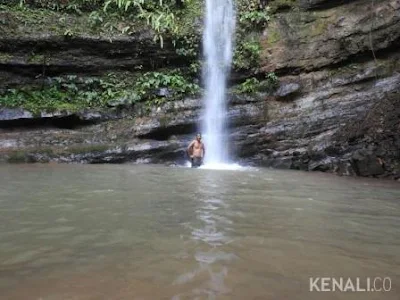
(217,42)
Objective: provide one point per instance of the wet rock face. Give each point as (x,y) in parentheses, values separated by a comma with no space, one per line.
(8,114)
(366,163)
(85,55)
(349,128)
(352,129)
(309,40)
(288,89)
(312,4)
(18,117)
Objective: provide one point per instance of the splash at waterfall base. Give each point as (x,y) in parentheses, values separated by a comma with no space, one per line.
(227,166)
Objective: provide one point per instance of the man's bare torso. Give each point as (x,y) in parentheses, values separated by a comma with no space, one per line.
(197,149)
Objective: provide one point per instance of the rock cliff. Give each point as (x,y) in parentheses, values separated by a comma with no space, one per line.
(337,108)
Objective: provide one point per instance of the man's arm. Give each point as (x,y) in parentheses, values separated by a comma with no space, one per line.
(204,150)
(189,148)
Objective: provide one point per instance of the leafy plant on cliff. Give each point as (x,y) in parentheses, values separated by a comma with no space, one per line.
(73,92)
(95,19)
(148,86)
(37,100)
(249,86)
(271,82)
(252,15)
(71,6)
(253,84)
(247,54)
(65,93)
(164,17)
(28,20)
(255,18)
(161,22)
(124,4)
(187,45)
(252,18)
(146,4)
(159,15)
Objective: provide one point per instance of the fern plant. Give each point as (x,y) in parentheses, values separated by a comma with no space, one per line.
(158,16)
(161,22)
(124,4)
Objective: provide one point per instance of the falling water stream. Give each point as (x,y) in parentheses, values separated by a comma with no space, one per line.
(217,42)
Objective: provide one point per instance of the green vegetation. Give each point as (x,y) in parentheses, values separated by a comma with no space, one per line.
(73,93)
(48,99)
(247,54)
(17,157)
(273,36)
(71,6)
(36,58)
(82,149)
(319,27)
(110,18)
(44,154)
(174,24)
(28,155)
(271,81)
(150,83)
(30,21)
(158,15)
(253,84)
(4,57)
(252,18)
(252,15)
(167,19)
(250,86)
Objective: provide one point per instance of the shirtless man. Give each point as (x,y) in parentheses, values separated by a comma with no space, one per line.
(196,151)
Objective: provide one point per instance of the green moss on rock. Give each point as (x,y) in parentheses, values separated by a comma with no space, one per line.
(319,26)
(36,58)
(17,157)
(5,57)
(282,4)
(84,149)
(274,35)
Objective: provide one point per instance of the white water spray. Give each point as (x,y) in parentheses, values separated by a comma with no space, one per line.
(217,43)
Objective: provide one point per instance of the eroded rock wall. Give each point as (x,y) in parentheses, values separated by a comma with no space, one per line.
(337,108)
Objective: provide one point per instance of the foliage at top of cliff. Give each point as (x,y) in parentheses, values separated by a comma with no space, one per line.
(253,17)
(176,24)
(108,18)
(173,21)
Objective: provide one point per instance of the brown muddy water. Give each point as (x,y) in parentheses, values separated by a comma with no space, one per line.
(82,232)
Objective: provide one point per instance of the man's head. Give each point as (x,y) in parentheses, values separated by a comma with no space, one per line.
(198,137)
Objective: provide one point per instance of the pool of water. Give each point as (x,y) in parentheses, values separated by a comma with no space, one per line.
(155,232)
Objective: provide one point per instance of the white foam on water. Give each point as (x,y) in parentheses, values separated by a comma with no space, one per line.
(223,166)
(219,166)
